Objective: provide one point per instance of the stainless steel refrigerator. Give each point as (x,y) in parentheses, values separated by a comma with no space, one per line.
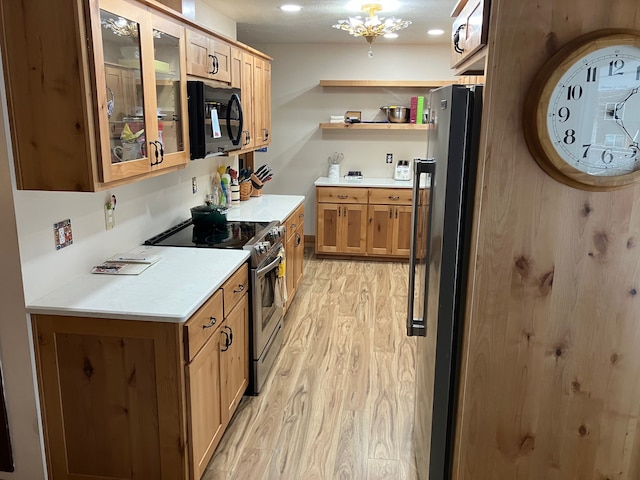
(443,196)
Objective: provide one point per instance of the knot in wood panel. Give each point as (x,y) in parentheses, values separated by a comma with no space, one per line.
(527,444)
(586,209)
(601,242)
(583,431)
(524,266)
(546,282)
(87,368)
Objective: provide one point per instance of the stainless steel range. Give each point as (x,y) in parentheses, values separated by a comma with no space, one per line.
(264,241)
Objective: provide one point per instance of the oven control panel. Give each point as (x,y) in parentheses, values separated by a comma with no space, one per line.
(275,234)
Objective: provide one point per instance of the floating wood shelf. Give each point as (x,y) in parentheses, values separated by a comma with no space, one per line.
(374,126)
(387,83)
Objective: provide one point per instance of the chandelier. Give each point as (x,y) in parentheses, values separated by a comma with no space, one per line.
(372,26)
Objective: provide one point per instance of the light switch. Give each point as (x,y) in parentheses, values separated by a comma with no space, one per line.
(62,234)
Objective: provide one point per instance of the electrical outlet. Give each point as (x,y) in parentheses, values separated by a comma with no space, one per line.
(109,216)
(62,234)
(389,158)
(194,185)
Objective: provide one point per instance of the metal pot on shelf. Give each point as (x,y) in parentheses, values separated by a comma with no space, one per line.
(396,114)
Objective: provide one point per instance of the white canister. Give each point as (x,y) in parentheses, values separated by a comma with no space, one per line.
(235,195)
(334,172)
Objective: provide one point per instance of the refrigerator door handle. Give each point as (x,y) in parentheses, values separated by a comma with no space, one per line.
(416,326)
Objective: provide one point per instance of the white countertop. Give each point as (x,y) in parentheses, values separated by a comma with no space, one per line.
(265,208)
(365,182)
(171,290)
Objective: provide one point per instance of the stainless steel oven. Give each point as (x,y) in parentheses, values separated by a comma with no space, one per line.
(267,316)
(264,242)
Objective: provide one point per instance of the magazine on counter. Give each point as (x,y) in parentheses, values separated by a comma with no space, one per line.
(126,264)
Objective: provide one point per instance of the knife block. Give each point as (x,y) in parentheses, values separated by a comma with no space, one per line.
(257,186)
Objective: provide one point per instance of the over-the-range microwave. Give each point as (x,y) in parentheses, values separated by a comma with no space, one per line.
(215,119)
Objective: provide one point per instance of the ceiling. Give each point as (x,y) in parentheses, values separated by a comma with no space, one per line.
(262,21)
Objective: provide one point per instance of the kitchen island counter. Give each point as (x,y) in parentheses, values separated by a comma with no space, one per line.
(170,290)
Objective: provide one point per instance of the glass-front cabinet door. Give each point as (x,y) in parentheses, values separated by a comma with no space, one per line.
(140,83)
(169,66)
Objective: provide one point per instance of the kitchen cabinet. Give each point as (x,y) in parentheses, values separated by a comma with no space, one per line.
(262,101)
(256,102)
(98,70)
(470,32)
(126,399)
(389,223)
(364,222)
(341,220)
(294,250)
(208,57)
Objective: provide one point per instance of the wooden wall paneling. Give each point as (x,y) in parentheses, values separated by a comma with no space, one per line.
(550,387)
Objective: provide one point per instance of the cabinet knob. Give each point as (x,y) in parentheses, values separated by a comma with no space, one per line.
(343,197)
(394,197)
(240,289)
(212,322)
(298,239)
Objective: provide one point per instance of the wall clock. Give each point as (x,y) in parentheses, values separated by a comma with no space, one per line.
(582,112)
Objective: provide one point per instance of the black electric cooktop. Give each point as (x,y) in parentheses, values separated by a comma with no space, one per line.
(229,235)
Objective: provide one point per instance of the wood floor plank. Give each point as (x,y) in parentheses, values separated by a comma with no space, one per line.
(351,449)
(338,403)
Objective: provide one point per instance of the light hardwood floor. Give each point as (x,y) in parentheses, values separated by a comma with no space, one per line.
(338,403)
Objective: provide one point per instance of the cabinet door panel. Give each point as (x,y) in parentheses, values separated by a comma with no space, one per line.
(198,59)
(124,149)
(401,231)
(205,413)
(379,235)
(354,231)
(327,228)
(248,100)
(222,59)
(170,87)
(234,367)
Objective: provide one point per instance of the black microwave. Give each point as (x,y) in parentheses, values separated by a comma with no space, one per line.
(215,119)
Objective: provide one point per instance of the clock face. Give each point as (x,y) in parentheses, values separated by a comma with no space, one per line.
(593,115)
(582,113)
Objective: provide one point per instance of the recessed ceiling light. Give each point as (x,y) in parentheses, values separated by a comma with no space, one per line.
(435,31)
(390,35)
(290,8)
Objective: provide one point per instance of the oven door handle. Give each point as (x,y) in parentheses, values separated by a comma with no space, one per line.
(269,267)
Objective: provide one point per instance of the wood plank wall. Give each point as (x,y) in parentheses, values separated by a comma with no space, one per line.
(551,375)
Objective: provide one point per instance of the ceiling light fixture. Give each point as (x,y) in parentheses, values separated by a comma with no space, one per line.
(435,31)
(372,26)
(290,8)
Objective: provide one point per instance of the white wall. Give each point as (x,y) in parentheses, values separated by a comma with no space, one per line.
(207,15)
(299,149)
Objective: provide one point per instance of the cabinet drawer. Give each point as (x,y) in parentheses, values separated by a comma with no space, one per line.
(293,221)
(235,288)
(202,325)
(341,194)
(390,196)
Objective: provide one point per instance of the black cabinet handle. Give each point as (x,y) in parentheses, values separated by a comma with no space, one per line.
(215,66)
(298,239)
(240,289)
(155,154)
(456,39)
(227,327)
(226,341)
(212,322)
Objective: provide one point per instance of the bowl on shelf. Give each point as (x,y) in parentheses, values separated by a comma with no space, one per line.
(396,114)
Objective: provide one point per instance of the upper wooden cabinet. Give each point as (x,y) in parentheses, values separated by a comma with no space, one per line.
(97,98)
(470,33)
(262,101)
(208,57)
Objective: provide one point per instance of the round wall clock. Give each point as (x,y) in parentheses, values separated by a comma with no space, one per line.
(582,113)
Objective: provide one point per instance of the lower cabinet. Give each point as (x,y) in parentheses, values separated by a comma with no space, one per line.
(294,249)
(358,221)
(132,399)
